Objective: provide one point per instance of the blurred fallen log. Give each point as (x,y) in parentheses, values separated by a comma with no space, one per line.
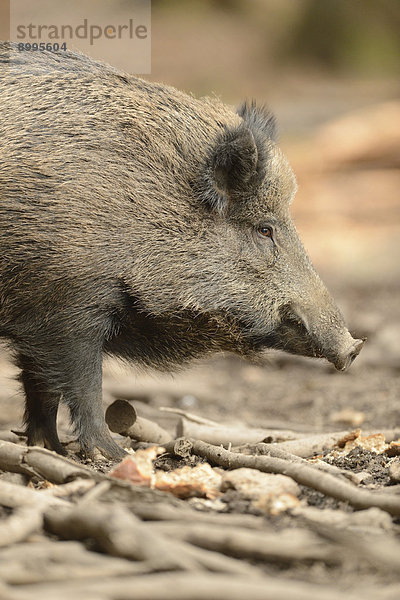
(285,546)
(193,586)
(46,561)
(212,561)
(370,519)
(14,496)
(8,436)
(27,518)
(121,418)
(302,473)
(42,463)
(380,552)
(160,511)
(119,533)
(116,531)
(77,487)
(21,524)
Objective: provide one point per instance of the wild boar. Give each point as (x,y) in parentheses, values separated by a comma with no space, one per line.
(139,221)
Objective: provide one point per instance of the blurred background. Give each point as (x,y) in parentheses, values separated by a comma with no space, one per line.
(330,72)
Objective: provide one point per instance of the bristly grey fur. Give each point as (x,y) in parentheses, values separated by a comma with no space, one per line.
(130,219)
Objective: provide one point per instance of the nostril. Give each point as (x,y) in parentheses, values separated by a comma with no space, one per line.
(352,356)
(354,352)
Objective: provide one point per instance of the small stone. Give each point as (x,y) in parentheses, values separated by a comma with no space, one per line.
(252,484)
(348,416)
(394,470)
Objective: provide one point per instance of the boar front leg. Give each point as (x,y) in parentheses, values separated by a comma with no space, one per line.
(83,396)
(73,372)
(41,408)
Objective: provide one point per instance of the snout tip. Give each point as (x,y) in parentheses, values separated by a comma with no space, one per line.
(344,361)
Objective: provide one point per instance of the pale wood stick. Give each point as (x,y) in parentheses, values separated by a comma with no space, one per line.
(14,496)
(267,546)
(225,435)
(194,586)
(42,463)
(121,418)
(21,524)
(43,560)
(302,473)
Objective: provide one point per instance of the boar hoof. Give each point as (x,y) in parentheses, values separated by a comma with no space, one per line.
(104,443)
(45,438)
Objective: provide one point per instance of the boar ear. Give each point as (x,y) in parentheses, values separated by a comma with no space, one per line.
(234,160)
(237,164)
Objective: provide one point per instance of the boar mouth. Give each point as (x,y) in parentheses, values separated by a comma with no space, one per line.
(290,336)
(293,336)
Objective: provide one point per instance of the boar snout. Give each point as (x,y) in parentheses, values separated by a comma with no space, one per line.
(350,350)
(326,335)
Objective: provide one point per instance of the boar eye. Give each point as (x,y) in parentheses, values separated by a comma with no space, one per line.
(265,231)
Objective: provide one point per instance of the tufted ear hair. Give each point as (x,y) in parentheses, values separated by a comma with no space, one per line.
(237,163)
(259,119)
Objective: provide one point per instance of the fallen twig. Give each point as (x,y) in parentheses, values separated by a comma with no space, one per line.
(277,451)
(192,586)
(118,532)
(284,546)
(42,463)
(316,444)
(14,496)
(383,553)
(21,524)
(8,436)
(160,511)
(302,473)
(121,418)
(189,416)
(46,561)
(225,435)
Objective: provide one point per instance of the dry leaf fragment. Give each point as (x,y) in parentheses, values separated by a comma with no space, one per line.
(375,442)
(138,469)
(348,438)
(186,482)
